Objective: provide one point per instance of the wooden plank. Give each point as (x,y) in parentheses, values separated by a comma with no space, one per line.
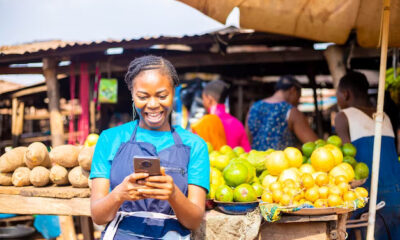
(41,205)
(67,228)
(47,115)
(66,192)
(291,231)
(87,228)
(321,218)
(56,122)
(29,91)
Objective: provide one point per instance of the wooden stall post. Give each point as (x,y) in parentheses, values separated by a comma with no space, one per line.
(56,123)
(14,121)
(57,130)
(334,57)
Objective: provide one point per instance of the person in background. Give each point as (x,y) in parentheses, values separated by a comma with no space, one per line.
(211,130)
(355,124)
(136,205)
(214,95)
(275,122)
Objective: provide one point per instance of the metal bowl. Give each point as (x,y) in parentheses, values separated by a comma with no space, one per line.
(236,208)
(18,231)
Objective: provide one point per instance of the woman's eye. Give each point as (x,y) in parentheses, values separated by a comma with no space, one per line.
(141,97)
(163,97)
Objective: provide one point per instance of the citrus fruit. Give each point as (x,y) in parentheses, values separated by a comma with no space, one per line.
(322,179)
(215,175)
(286,200)
(268,180)
(238,150)
(340,178)
(361,171)
(291,173)
(225,149)
(308,148)
(277,195)
(344,169)
(210,147)
(235,174)
(307,181)
(348,149)
(322,159)
(294,156)
(221,162)
(299,196)
(334,140)
(361,192)
(275,186)
(344,187)
(305,158)
(350,160)
(336,152)
(91,139)
(224,194)
(244,193)
(323,192)
(306,168)
(258,189)
(312,194)
(334,200)
(289,183)
(276,162)
(335,190)
(321,203)
(267,197)
(349,196)
(320,142)
(213,157)
(251,171)
(244,155)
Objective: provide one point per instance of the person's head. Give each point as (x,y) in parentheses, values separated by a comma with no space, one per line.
(352,87)
(152,81)
(291,89)
(213,93)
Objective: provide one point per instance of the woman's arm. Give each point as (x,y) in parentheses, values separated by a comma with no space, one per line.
(104,204)
(299,125)
(342,127)
(189,210)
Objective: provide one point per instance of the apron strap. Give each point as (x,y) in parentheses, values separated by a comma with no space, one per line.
(177,138)
(133,136)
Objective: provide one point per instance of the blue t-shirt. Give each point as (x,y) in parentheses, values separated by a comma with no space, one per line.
(111,139)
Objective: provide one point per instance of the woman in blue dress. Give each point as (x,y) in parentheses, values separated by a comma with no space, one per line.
(275,122)
(355,124)
(135,205)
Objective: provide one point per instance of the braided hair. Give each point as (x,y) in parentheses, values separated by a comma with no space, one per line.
(150,62)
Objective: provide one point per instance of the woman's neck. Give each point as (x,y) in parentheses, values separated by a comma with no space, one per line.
(278,96)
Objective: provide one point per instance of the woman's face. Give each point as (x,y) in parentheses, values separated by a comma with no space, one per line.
(341,96)
(153,95)
(293,96)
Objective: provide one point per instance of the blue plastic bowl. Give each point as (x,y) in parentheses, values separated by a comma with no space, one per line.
(236,208)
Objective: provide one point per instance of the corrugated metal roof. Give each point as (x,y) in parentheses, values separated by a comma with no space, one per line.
(60,44)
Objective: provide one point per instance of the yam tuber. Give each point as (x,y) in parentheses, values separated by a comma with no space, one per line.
(59,175)
(39,176)
(20,177)
(37,155)
(5,179)
(78,177)
(12,159)
(85,158)
(65,155)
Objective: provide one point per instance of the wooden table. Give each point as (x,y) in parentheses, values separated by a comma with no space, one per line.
(63,201)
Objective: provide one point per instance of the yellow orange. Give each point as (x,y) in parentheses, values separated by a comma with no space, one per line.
(336,152)
(323,192)
(344,169)
(322,179)
(306,168)
(276,163)
(267,197)
(335,190)
(361,192)
(320,203)
(289,183)
(275,186)
(344,187)
(340,178)
(286,200)
(294,156)
(322,159)
(349,196)
(334,200)
(312,194)
(277,195)
(307,180)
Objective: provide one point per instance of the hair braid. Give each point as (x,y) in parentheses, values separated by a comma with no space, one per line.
(150,62)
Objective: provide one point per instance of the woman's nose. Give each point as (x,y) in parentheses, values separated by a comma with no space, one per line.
(153,103)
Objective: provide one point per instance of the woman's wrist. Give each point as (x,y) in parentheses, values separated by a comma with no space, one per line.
(116,196)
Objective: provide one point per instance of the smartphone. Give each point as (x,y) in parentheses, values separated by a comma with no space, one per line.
(147,164)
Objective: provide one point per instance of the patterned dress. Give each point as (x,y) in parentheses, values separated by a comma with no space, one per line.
(269,127)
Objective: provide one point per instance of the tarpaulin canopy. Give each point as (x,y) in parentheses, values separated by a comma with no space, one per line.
(322,20)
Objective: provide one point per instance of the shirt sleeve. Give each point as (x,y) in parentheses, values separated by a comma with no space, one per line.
(199,165)
(101,165)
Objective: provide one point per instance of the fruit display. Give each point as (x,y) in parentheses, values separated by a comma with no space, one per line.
(34,165)
(319,175)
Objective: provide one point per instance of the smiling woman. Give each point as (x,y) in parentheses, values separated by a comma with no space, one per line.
(137,205)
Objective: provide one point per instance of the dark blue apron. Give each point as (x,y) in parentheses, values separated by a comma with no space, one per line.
(175,160)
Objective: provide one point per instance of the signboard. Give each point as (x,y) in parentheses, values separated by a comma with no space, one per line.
(108,90)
